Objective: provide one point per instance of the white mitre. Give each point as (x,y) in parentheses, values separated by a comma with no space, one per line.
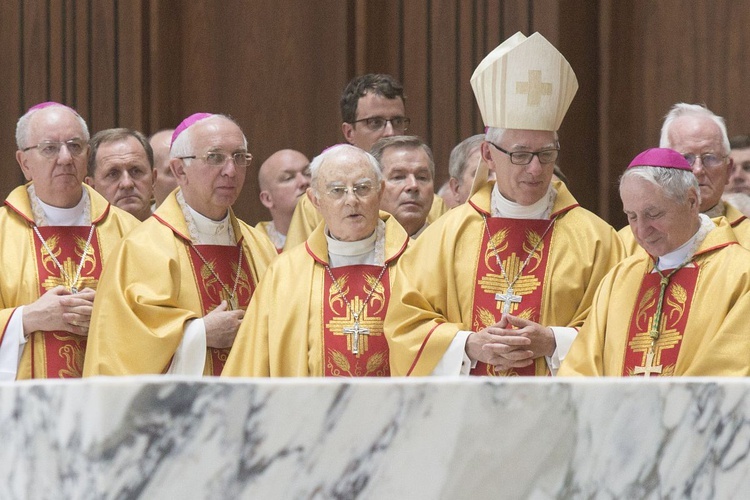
(525,83)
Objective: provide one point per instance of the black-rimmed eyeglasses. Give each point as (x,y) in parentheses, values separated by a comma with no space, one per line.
(525,157)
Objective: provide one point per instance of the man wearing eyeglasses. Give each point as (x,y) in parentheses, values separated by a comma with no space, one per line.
(56,234)
(330,323)
(120,168)
(701,137)
(499,285)
(372,107)
(177,286)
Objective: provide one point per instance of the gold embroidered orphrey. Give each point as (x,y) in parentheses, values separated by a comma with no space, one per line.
(670,338)
(508,298)
(232,300)
(356,329)
(87,254)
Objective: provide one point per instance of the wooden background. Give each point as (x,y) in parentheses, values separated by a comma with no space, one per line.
(279,66)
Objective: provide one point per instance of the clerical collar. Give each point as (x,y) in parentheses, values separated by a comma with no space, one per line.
(421,230)
(686,251)
(503,207)
(716,211)
(370,250)
(205,231)
(47,215)
(278,239)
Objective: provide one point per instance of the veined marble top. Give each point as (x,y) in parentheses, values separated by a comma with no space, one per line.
(159,437)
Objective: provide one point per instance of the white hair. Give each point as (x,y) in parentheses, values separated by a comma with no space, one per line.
(342,149)
(696,110)
(183,145)
(675,182)
(22,125)
(495,135)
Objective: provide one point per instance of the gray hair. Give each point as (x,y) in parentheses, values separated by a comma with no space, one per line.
(461,153)
(22,125)
(674,181)
(495,135)
(183,144)
(696,110)
(402,141)
(336,150)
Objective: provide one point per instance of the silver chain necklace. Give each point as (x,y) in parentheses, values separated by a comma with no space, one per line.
(71,282)
(508,297)
(232,301)
(355,331)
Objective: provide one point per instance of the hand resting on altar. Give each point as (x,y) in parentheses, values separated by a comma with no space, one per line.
(222,325)
(60,310)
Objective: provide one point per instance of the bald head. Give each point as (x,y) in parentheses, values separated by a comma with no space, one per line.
(164,181)
(283,178)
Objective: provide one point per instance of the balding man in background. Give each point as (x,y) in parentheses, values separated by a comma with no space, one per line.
(283,178)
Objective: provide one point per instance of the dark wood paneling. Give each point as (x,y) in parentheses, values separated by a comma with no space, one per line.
(279,67)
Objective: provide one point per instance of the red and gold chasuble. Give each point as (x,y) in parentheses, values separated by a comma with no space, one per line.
(513,240)
(356,282)
(675,312)
(58,354)
(223,259)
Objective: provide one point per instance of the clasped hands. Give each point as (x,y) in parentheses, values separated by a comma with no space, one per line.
(59,309)
(512,342)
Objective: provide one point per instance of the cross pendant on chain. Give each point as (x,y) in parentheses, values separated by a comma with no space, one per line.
(648,368)
(355,332)
(507,299)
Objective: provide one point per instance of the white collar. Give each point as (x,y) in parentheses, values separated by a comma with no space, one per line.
(370,250)
(47,215)
(205,231)
(503,207)
(206,226)
(686,251)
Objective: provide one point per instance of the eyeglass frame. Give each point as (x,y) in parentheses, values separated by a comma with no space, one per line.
(405,119)
(532,153)
(353,190)
(721,159)
(59,144)
(247,155)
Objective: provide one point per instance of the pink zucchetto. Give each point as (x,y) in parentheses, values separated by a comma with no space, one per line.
(660,157)
(187,122)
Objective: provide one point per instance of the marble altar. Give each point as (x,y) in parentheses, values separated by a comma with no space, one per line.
(158,437)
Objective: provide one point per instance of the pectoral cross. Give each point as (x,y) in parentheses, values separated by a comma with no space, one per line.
(648,368)
(355,331)
(507,299)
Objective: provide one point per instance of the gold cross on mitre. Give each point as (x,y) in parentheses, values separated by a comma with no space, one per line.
(534,88)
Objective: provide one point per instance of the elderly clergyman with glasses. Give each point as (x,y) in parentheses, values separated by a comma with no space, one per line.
(56,234)
(701,137)
(372,107)
(499,285)
(330,323)
(177,286)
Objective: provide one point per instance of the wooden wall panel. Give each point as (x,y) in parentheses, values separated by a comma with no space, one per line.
(661,53)
(279,67)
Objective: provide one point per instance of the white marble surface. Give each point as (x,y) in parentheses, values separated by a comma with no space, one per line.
(385,439)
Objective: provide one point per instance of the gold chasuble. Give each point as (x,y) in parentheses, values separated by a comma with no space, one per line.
(703,329)
(450,278)
(32,267)
(326,322)
(306,218)
(156,281)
